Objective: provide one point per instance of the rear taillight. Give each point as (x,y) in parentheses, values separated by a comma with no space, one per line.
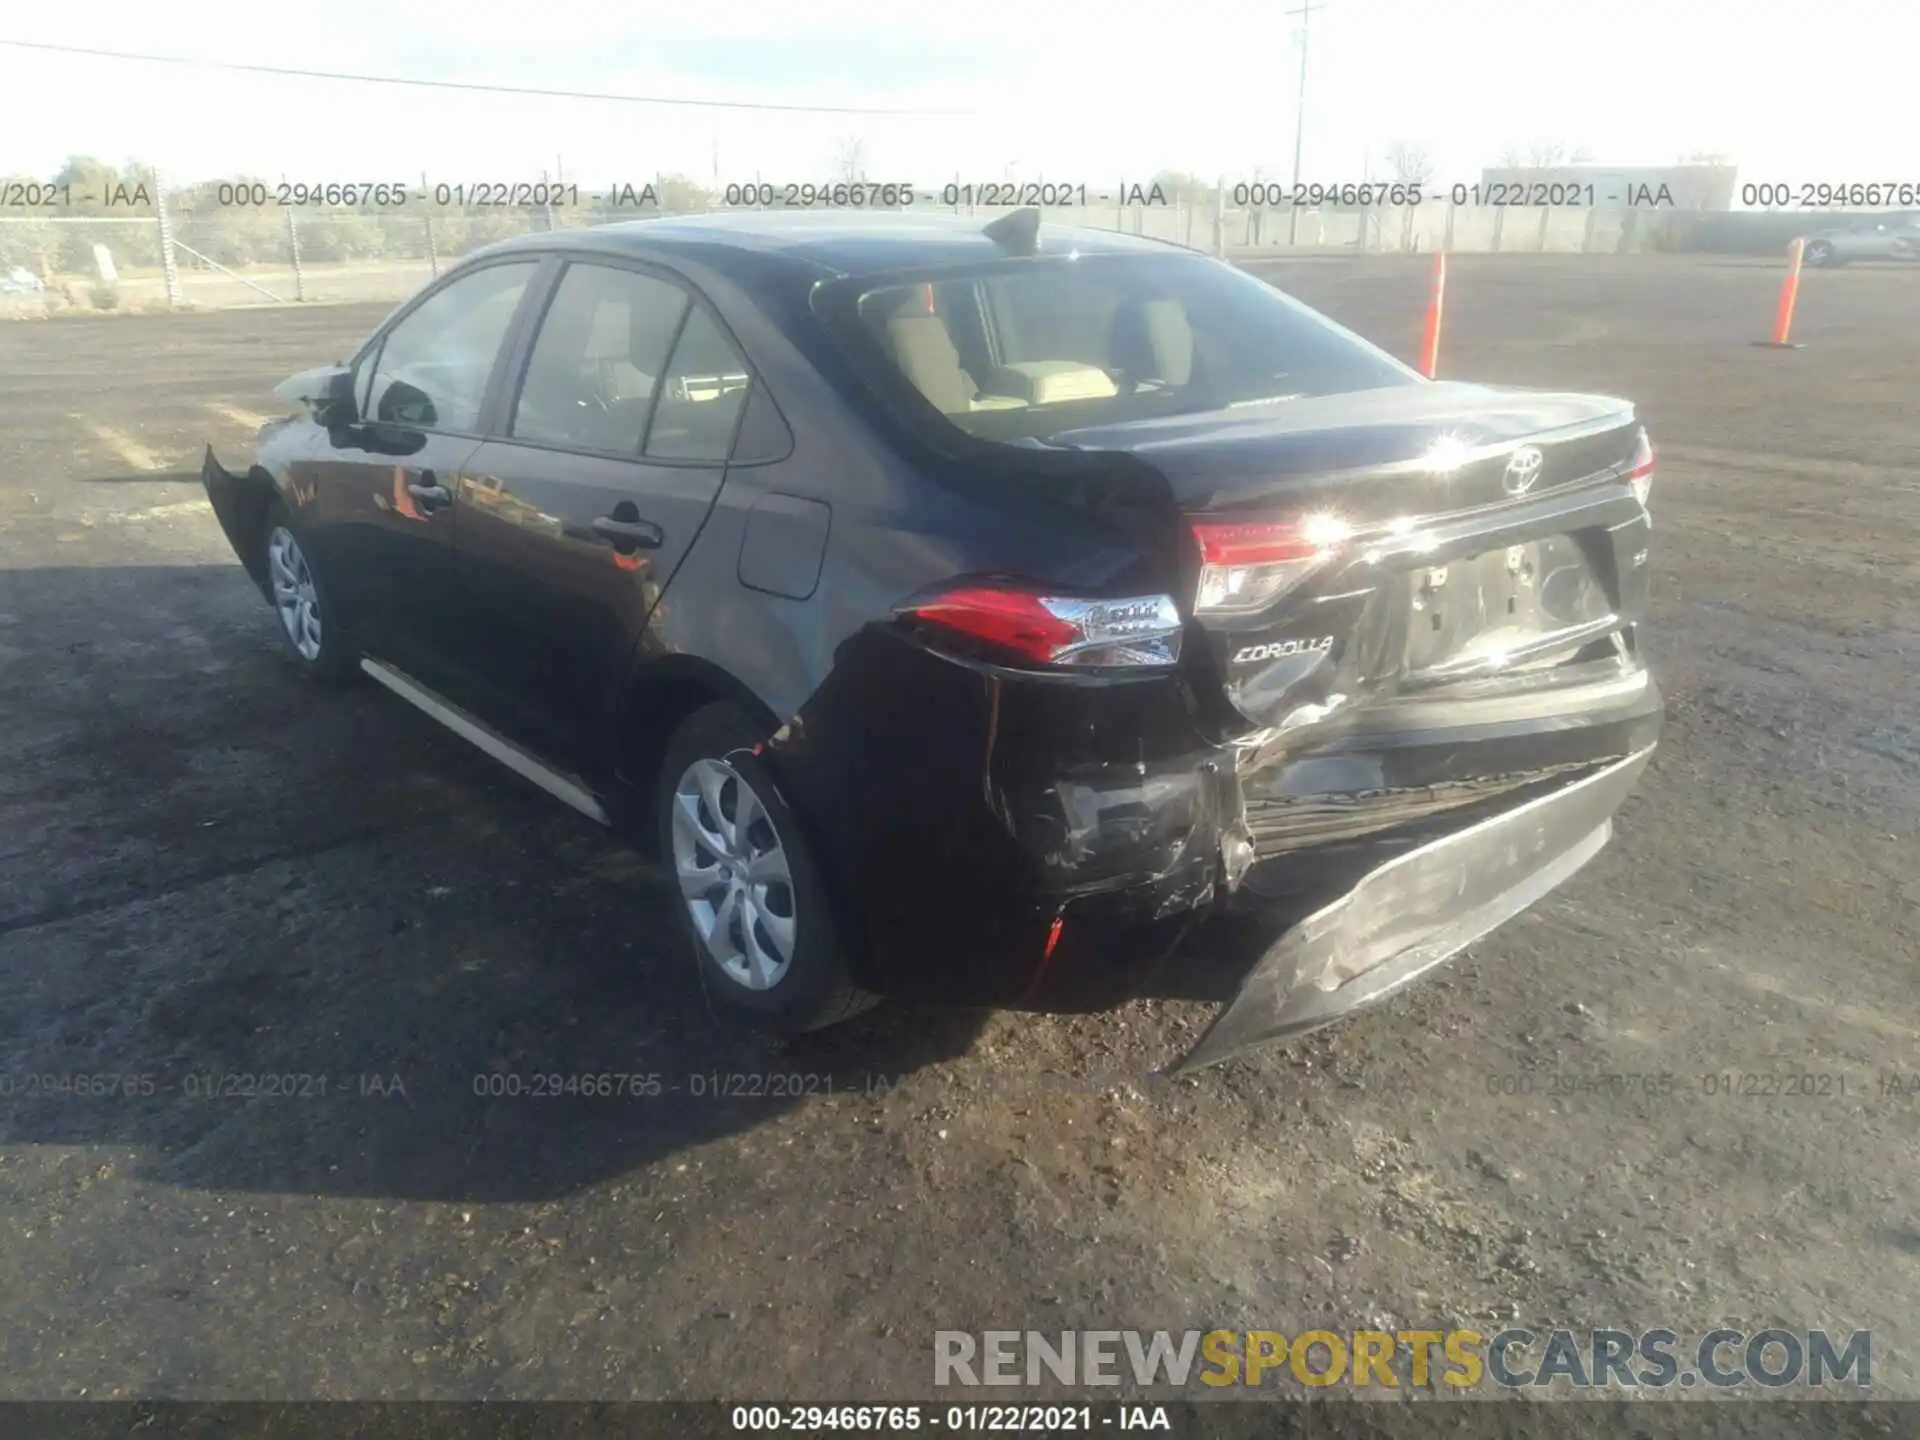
(1640,470)
(1022,625)
(1246,566)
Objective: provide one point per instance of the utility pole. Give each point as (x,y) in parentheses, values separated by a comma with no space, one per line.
(169,262)
(1307,7)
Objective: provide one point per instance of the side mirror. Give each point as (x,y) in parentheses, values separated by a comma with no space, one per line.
(327,392)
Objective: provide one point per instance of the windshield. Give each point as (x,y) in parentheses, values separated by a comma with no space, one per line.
(1025,350)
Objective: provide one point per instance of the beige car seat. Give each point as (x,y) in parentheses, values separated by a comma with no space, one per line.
(925,353)
(923,348)
(1153,344)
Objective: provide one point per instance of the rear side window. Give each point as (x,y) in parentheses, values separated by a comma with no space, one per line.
(598,359)
(432,369)
(1029,349)
(701,397)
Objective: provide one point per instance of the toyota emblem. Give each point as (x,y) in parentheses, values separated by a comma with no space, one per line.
(1522,470)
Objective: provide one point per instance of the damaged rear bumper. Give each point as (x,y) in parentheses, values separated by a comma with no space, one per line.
(1055,843)
(991,838)
(1416,911)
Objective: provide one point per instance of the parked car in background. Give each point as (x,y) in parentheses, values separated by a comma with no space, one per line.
(1889,237)
(963,613)
(20,281)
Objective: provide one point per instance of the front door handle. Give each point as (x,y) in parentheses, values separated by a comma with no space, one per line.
(629,534)
(429,491)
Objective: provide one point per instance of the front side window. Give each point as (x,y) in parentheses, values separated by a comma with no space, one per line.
(598,359)
(431,371)
(1027,350)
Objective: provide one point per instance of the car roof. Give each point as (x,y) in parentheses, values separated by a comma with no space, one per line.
(827,242)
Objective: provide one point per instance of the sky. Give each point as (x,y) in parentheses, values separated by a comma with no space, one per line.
(1068,90)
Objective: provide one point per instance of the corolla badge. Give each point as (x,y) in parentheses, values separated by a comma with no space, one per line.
(1278,649)
(1522,470)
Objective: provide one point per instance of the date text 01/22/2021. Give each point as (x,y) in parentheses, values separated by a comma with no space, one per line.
(202,1085)
(1660,1085)
(986,1418)
(698,1085)
(955,194)
(384,195)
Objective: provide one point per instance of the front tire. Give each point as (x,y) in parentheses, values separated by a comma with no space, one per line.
(309,621)
(1821,254)
(750,901)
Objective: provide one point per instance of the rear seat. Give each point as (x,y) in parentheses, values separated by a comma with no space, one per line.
(1152,344)
(1152,347)
(925,353)
(923,348)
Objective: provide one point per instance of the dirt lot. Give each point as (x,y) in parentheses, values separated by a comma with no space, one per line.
(207,869)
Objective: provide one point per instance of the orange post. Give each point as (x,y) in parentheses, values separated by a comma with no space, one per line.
(1430,338)
(1789,292)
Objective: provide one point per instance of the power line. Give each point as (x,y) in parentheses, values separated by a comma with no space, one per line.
(464,84)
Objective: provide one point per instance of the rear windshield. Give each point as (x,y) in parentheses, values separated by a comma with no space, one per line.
(1028,350)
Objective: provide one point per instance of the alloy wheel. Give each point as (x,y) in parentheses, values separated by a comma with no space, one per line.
(734,874)
(294,594)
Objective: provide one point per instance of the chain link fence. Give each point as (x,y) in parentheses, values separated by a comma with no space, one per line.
(202,256)
(226,257)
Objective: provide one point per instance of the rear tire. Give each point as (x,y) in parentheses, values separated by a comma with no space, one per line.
(1820,254)
(309,623)
(747,892)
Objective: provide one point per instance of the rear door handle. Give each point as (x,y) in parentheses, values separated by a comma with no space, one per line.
(641,534)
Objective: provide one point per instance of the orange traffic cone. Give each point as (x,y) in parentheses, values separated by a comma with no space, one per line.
(1789,292)
(1436,297)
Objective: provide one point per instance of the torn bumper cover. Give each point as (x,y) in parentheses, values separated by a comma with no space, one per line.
(240,504)
(1417,911)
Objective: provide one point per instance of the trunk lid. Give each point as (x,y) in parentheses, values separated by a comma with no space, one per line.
(1422,537)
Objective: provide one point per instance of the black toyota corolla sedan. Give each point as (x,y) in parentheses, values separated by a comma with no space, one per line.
(965,612)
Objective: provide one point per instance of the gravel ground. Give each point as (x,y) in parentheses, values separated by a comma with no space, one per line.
(207,869)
